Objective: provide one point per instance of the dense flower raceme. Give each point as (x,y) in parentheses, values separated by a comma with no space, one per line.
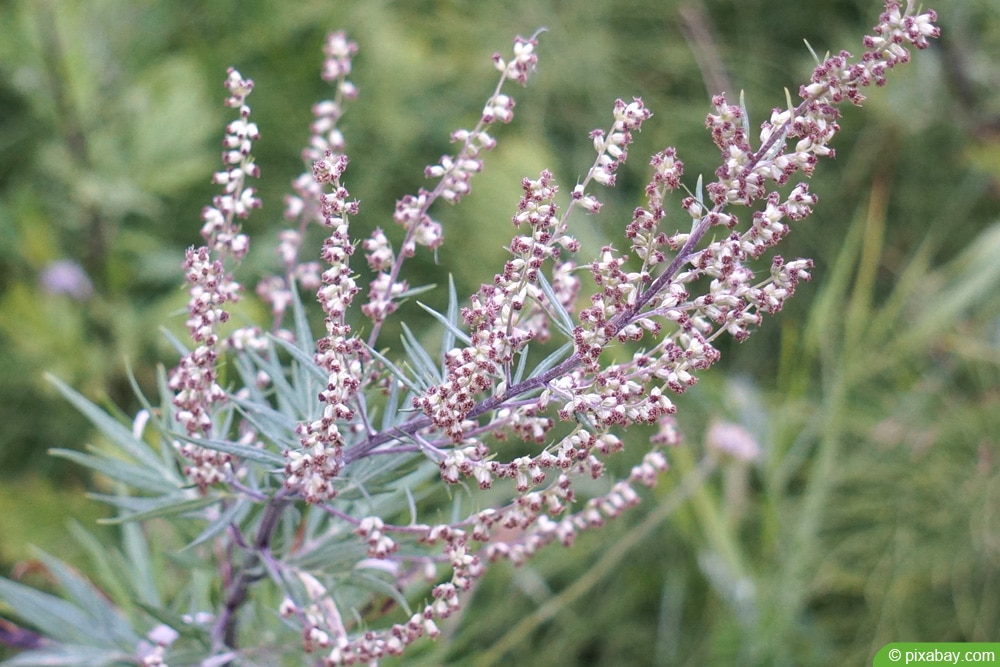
(670,295)
(212,287)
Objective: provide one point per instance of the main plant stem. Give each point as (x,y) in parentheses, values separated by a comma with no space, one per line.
(225,631)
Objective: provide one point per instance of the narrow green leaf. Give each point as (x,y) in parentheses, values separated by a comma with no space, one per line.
(247,366)
(551,360)
(108,626)
(174,341)
(303,335)
(175,620)
(415,291)
(142,577)
(746,116)
(235,513)
(133,503)
(561,317)
(166,506)
(967,280)
(416,353)
(396,372)
(451,314)
(71,655)
(167,452)
(390,417)
(271,424)
(136,476)
(451,329)
(52,616)
(331,554)
(296,398)
(107,564)
(246,453)
(303,357)
(522,362)
(112,429)
(369,580)
(162,458)
(378,474)
(813,53)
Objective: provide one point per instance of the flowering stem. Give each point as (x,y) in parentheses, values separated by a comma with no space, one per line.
(604,566)
(624,318)
(831,85)
(225,630)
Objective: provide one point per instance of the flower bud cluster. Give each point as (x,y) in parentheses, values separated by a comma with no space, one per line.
(220,230)
(339,52)
(612,148)
(311,469)
(648,242)
(304,206)
(499,324)
(322,626)
(454,175)
(514,532)
(522,64)
(195,379)
(380,545)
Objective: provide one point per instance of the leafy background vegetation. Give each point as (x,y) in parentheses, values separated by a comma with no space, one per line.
(874,514)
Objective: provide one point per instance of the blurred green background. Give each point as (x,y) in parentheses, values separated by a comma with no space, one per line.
(874,513)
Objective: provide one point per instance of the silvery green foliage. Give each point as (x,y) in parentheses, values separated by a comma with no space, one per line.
(323,478)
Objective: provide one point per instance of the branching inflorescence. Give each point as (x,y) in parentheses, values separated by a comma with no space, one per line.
(322,425)
(671,295)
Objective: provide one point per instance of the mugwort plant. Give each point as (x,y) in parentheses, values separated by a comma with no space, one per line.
(350,492)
